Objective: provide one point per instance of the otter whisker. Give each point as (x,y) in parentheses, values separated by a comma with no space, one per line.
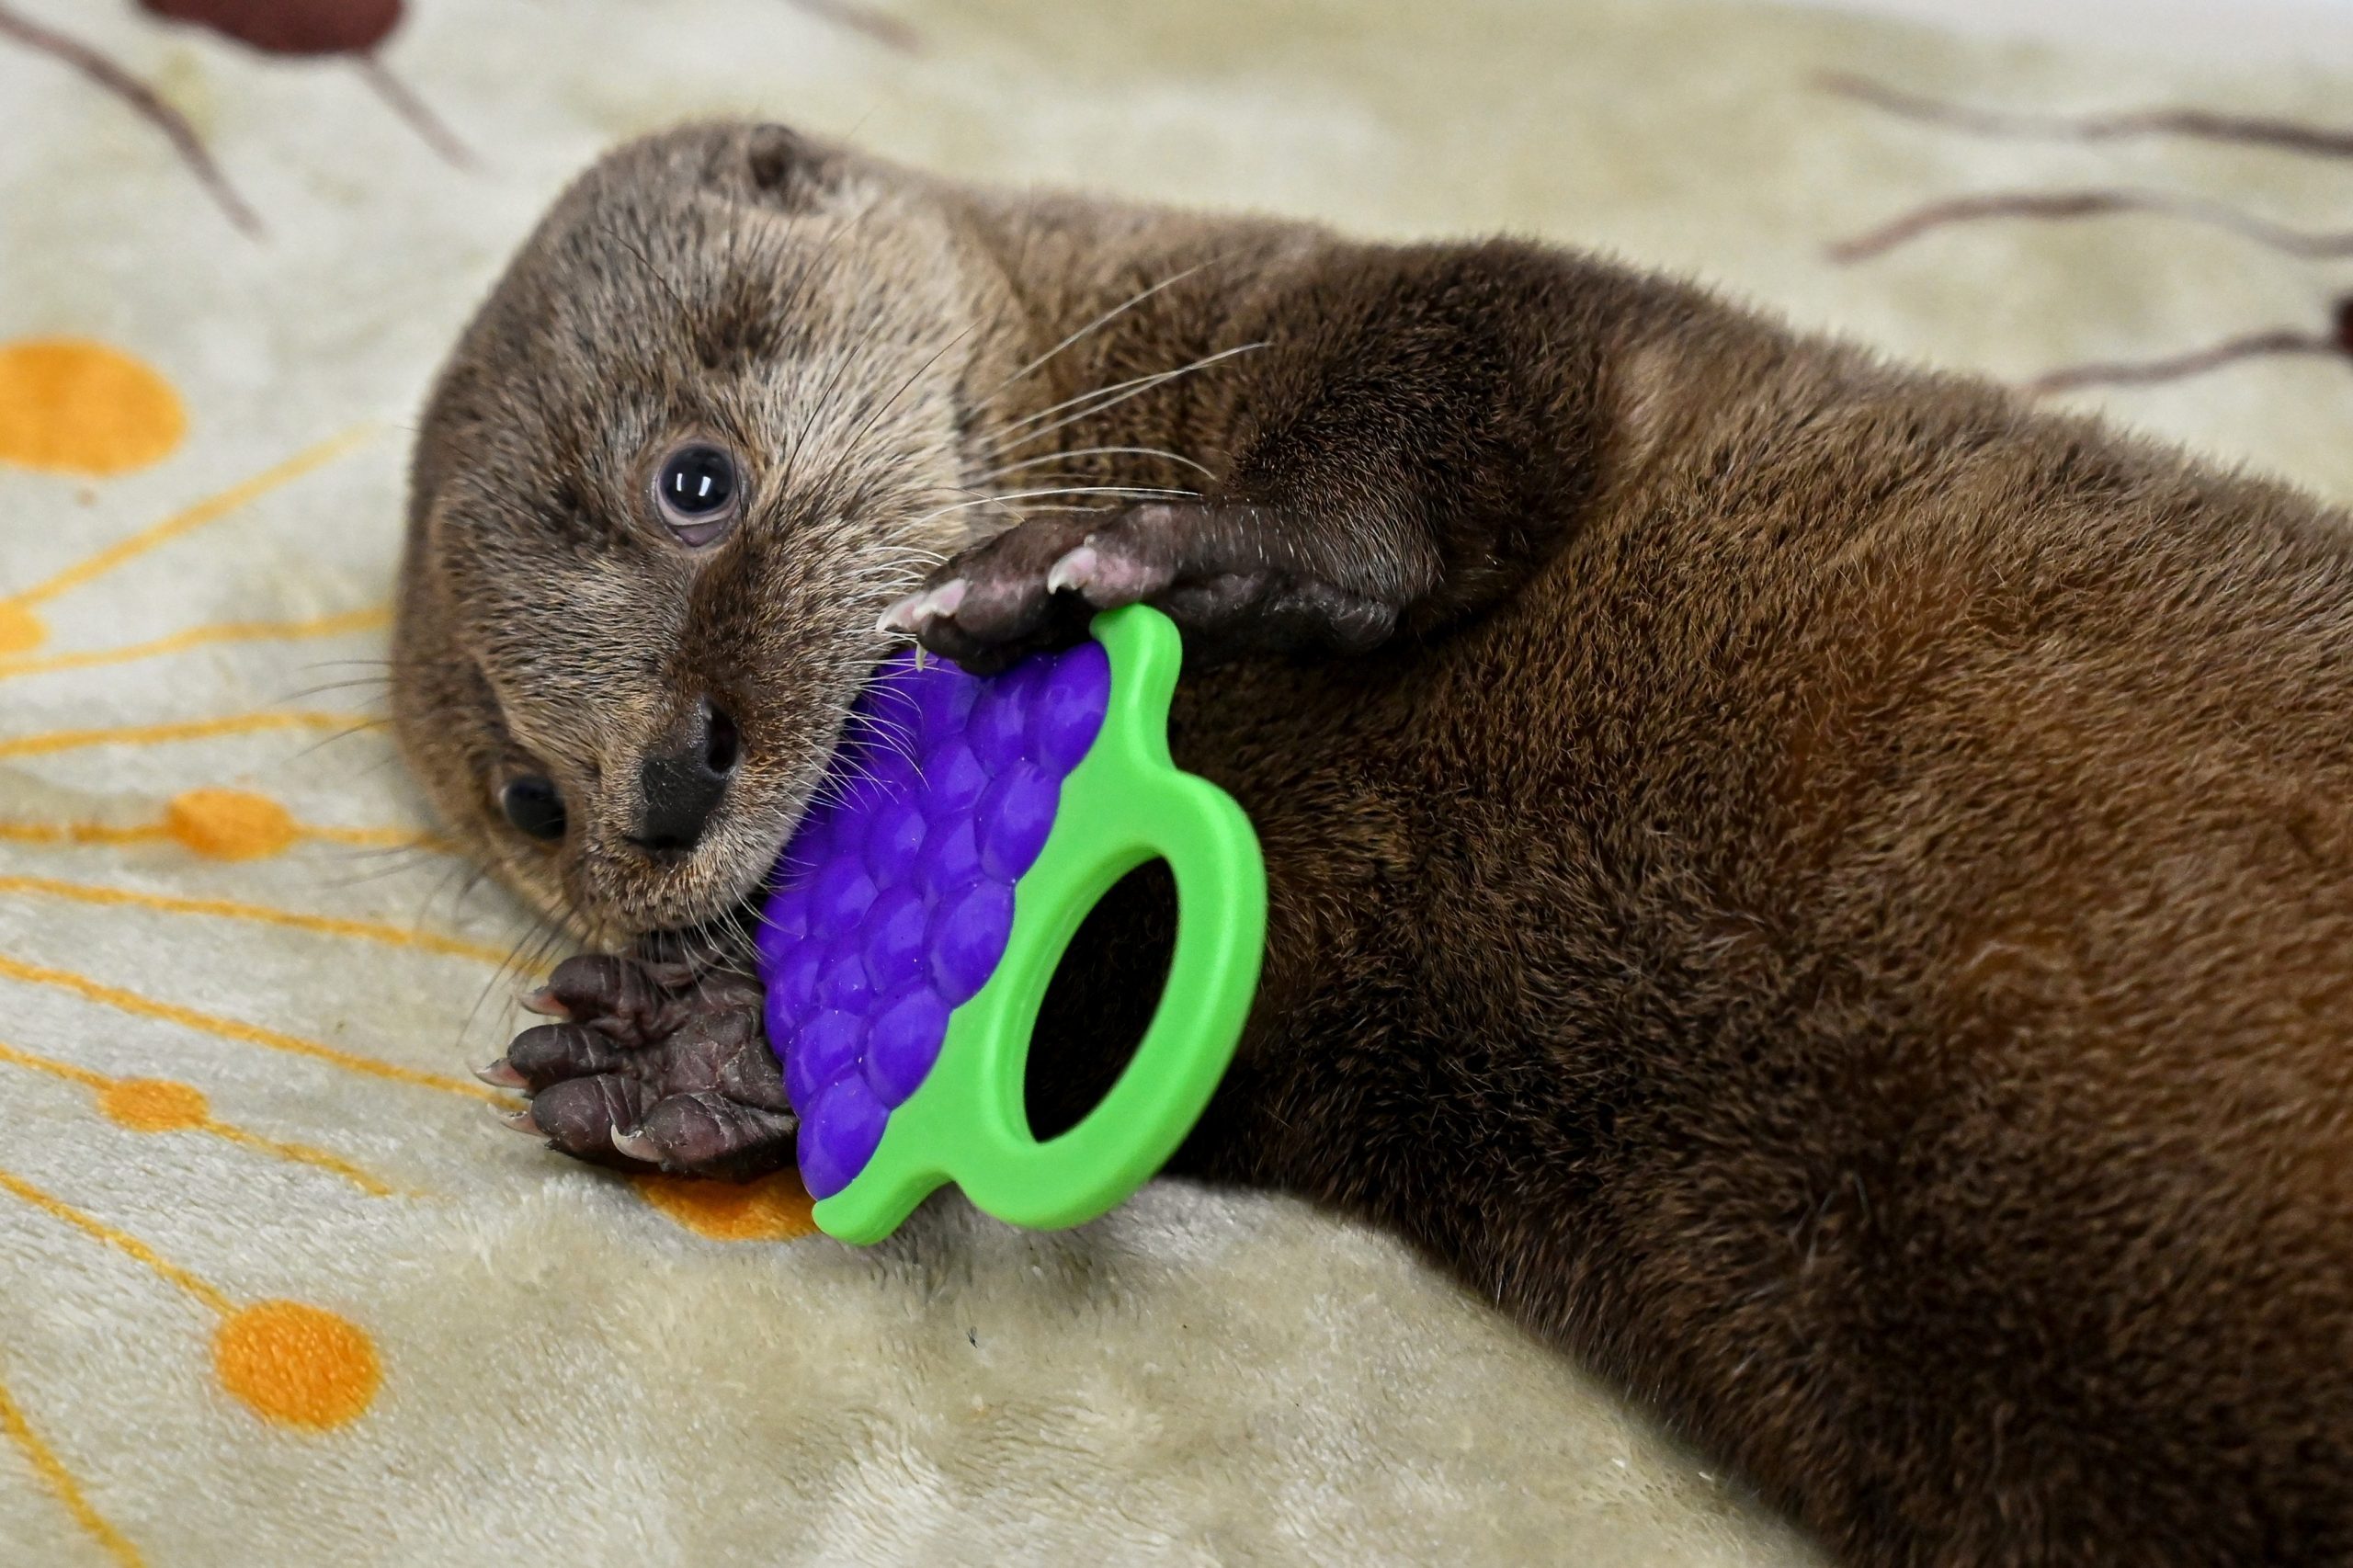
(1133,389)
(859,434)
(1095,452)
(1142,491)
(686,317)
(877,721)
(1133,381)
(740,943)
(473,874)
(1028,511)
(538,941)
(1099,321)
(820,403)
(441,885)
(389,861)
(889,555)
(358,683)
(366,726)
(898,738)
(796,292)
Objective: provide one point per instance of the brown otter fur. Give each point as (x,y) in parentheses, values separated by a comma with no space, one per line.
(1824,889)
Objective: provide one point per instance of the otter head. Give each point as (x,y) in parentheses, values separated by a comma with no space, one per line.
(710,422)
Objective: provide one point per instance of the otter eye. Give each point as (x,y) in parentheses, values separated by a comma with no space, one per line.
(534,807)
(697,491)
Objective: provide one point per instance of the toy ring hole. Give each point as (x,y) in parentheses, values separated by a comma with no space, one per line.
(1087,1031)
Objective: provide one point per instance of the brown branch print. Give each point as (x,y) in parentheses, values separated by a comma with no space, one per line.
(2072,204)
(2337,340)
(2287,135)
(145,102)
(352,30)
(880,26)
(413,110)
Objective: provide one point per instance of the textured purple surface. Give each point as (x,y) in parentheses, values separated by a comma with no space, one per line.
(893,901)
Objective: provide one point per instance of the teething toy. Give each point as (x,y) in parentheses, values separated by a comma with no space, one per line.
(965,830)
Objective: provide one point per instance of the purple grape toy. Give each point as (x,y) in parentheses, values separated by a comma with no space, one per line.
(966,828)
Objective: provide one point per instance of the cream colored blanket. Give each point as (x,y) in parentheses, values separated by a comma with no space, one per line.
(274,1287)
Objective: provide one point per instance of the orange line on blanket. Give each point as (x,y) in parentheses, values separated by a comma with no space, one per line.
(298,1153)
(81,833)
(262,913)
(200,637)
(381,838)
(223,824)
(52,1469)
(82,1076)
(59,1209)
(289,1361)
(186,520)
(230,1028)
(158,1104)
(185,729)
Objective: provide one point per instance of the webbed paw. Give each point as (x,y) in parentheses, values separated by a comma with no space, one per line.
(652,1062)
(1237,580)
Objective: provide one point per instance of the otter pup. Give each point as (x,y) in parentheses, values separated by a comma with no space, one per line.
(1823,889)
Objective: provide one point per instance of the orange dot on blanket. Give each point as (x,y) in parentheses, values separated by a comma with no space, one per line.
(296,1363)
(773,1209)
(229,824)
(74,406)
(20,629)
(154,1105)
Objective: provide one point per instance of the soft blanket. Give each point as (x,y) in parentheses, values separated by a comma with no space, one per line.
(274,1287)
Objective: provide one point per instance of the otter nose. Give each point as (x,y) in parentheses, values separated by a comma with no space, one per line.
(683,786)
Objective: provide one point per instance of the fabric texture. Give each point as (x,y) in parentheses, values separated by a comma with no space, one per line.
(276,1289)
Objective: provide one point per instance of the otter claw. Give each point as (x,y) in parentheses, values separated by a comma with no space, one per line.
(544,1003)
(944,599)
(501,1074)
(636,1146)
(909,614)
(521,1122)
(1075,570)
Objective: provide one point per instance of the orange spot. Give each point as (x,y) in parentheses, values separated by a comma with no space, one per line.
(231,825)
(297,1364)
(20,629)
(74,406)
(154,1105)
(773,1209)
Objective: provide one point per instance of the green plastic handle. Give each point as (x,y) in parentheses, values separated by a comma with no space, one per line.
(1125,803)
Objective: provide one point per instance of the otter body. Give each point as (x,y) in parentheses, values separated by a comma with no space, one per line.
(1821,888)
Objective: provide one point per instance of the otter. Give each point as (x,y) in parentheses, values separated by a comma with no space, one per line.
(1824,889)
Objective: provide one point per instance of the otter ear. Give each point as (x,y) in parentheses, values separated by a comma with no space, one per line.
(787,170)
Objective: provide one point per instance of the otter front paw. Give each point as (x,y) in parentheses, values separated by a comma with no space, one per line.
(1238,580)
(651,1063)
